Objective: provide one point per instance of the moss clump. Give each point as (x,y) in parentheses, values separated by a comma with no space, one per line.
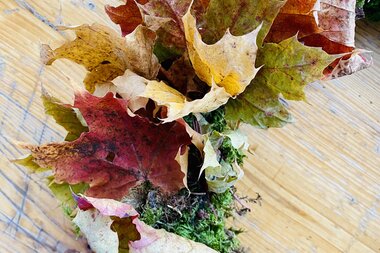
(201,218)
(231,154)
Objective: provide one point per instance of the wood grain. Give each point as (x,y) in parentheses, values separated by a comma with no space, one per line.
(319,178)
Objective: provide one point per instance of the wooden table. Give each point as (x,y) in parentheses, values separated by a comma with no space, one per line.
(319,178)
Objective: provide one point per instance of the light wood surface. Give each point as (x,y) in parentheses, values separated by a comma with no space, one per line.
(319,178)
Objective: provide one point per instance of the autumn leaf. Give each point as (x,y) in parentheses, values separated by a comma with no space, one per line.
(64,115)
(130,86)
(118,152)
(177,104)
(128,16)
(28,162)
(296,17)
(240,17)
(163,16)
(359,59)
(287,68)
(104,239)
(120,229)
(230,62)
(337,20)
(106,55)
(258,106)
(329,24)
(181,76)
(63,192)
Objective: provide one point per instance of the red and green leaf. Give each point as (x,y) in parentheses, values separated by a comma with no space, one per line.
(118,152)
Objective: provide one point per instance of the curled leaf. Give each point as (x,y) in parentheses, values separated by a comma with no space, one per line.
(219,174)
(130,86)
(177,104)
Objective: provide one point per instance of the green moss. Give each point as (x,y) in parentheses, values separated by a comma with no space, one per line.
(198,218)
(216,119)
(231,154)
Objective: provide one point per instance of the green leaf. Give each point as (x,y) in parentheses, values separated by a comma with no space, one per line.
(63,192)
(29,163)
(289,66)
(258,106)
(64,115)
(240,16)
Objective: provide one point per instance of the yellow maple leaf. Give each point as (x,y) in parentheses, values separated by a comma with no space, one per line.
(230,62)
(105,54)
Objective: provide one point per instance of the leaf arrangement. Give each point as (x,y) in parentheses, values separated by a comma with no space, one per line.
(165,98)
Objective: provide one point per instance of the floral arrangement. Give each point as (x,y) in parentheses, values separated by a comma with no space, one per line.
(153,149)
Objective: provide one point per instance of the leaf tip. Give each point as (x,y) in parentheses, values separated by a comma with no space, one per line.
(47,54)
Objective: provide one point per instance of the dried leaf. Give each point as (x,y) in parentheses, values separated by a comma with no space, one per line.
(358,60)
(97,229)
(177,104)
(128,16)
(296,17)
(106,55)
(130,86)
(337,20)
(113,156)
(230,62)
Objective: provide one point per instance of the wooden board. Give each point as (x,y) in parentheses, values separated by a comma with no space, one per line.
(319,178)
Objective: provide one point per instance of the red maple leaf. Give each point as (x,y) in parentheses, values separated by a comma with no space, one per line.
(118,152)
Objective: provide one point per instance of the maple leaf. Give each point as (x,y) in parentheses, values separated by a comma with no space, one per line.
(163,16)
(258,106)
(106,55)
(296,17)
(110,223)
(66,117)
(240,17)
(287,68)
(177,104)
(118,152)
(230,62)
(130,86)
(329,24)
(128,16)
